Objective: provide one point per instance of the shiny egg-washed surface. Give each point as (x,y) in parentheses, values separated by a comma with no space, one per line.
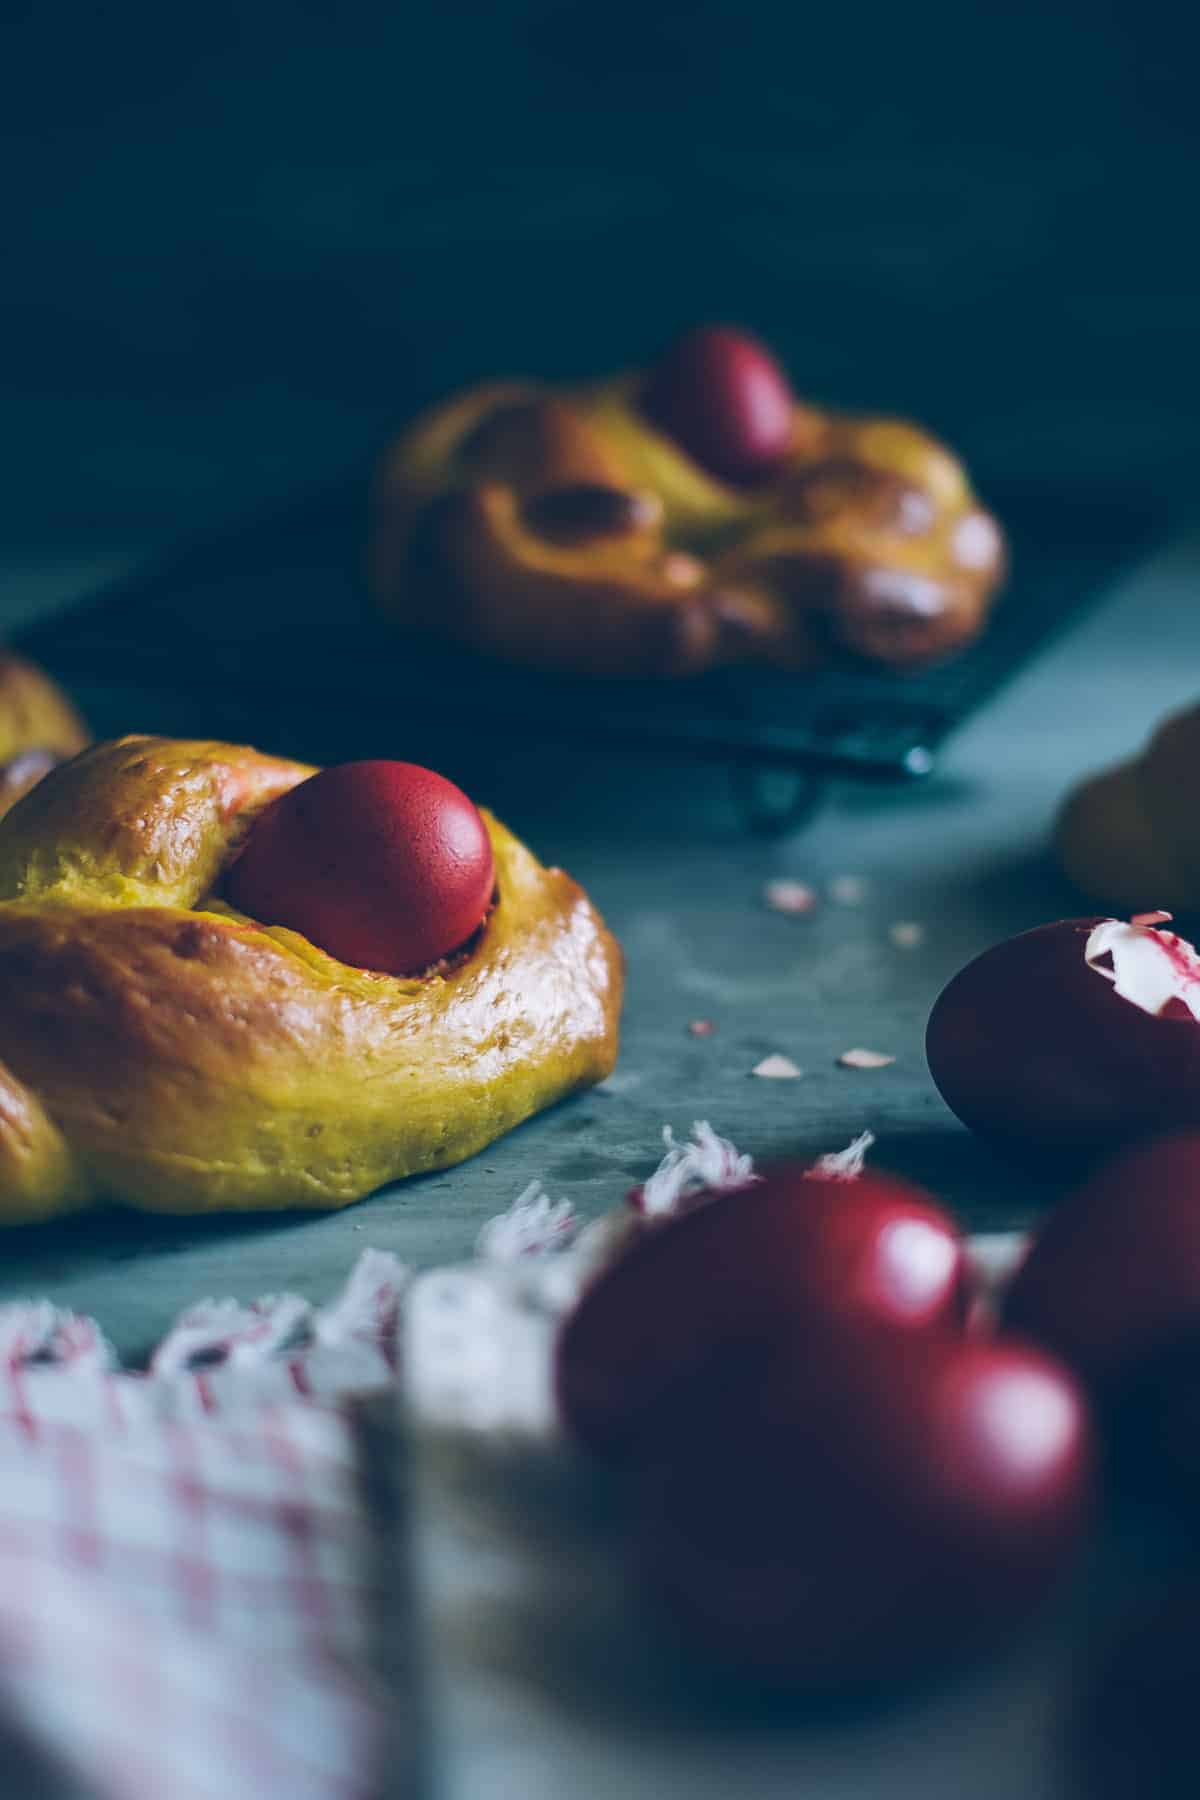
(160,1049)
(559,528)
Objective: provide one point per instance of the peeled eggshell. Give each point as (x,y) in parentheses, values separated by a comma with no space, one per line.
(384,865)
(795,1252)
(1036,1047)
(865,1517)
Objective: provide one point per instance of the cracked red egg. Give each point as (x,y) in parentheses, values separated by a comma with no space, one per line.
(1076,1038)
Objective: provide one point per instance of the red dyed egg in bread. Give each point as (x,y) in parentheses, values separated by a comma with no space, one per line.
(384,865)
(725,400)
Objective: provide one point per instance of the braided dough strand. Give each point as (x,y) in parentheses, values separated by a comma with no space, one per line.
(560,528)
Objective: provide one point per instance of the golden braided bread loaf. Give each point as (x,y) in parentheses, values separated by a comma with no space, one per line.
(566,529)
(161,1049)
(1130,836)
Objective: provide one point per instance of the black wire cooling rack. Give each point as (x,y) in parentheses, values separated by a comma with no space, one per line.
(271,619)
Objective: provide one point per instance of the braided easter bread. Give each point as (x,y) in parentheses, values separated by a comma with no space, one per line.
(160,1048)
(1129,837)
(39,728)
(574,528)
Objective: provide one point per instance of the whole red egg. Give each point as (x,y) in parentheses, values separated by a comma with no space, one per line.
(792,1253)
(1111,1283)
(868,1517)
(384,865)
(725,400)
(1075,1038)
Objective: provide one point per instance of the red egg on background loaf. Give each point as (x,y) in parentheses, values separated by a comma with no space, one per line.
(725,400)
(791,1254)
(384,865)
(867,1516)
(1077,1037)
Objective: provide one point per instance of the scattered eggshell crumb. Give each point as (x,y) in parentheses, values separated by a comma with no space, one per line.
(842,1165)
(848,890)
(906,934)
(789,896)
(533,1224)
(864,1059)
(708,1165)
(701,1027)
(777,1068)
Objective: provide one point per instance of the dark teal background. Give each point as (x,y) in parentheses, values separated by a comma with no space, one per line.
(241,239)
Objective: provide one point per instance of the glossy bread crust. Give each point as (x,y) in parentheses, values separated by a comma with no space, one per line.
(165,1051)
(560,528)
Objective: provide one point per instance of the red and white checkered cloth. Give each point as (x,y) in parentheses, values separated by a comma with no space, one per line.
(186,1556)
(189,1567)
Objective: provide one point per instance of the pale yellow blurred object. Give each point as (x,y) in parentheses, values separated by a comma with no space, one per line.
(39,727)
(1129,837)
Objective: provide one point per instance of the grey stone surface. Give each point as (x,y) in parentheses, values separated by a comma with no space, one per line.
(661,849)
